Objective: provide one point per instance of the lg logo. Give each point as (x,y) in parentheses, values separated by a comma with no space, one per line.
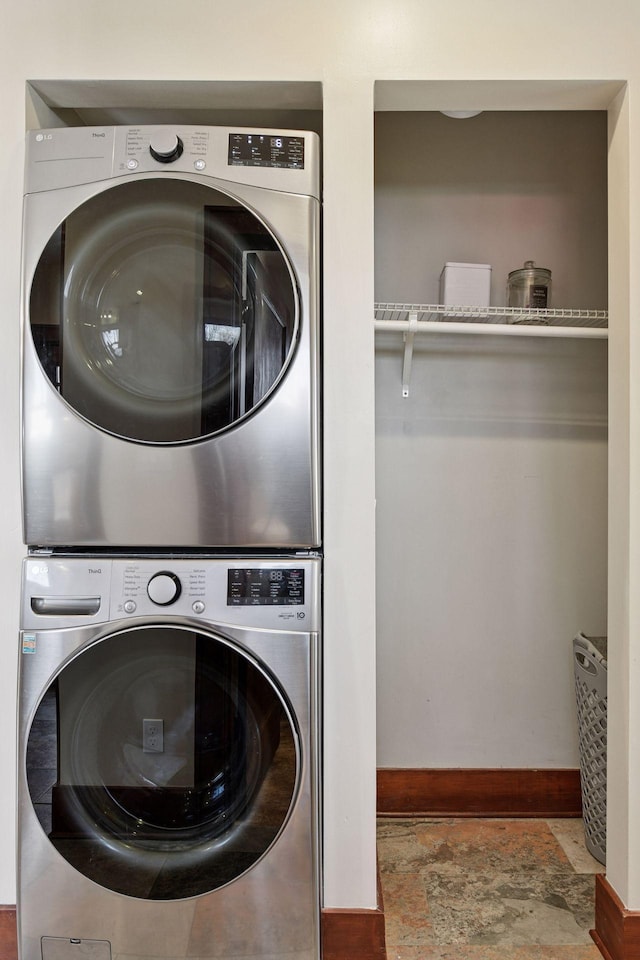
(43,136)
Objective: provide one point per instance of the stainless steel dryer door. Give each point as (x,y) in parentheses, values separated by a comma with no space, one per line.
(163,311)
(163,762)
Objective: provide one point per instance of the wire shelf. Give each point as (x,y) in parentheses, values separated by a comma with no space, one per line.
(411,319)
(439,313)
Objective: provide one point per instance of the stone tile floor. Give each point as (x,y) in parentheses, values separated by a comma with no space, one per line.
(485,889)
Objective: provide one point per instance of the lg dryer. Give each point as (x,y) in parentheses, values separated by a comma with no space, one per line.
(170,356)
(168,759)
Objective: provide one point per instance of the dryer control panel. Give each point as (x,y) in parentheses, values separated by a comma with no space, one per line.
(276,159)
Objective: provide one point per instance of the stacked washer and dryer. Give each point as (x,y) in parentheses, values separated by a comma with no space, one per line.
(168,773)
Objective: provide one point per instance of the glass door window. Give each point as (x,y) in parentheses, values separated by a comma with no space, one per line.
(163,311)
(162,763)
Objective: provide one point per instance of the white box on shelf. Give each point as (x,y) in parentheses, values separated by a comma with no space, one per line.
(465,284)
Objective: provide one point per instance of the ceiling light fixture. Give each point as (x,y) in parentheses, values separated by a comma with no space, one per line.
(461,114)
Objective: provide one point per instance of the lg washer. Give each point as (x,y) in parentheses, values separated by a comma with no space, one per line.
(171,343)
(168,753)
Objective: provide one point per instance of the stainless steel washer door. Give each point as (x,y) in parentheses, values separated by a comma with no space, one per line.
(163,762)
(163,311)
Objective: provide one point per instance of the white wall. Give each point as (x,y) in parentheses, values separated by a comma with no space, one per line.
(492,547)
(348,45)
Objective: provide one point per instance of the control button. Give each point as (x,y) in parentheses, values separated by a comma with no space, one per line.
(132,164)
(165,146)
(197,606)
(164,588)
(130,606)
(200,164)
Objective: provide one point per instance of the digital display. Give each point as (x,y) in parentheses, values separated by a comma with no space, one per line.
(251,587)
(265,150)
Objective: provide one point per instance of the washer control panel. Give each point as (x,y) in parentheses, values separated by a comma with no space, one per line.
(279,593)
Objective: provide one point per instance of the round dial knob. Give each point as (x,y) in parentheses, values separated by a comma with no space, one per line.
(165,146)
(164,588)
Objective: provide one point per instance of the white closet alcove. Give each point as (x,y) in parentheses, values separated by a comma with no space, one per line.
(491,450)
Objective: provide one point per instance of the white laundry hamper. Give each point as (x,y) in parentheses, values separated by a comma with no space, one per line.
(590,671)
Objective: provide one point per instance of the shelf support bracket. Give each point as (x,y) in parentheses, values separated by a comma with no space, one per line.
(408,352)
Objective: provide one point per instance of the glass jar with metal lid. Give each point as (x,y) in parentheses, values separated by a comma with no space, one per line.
(529,287)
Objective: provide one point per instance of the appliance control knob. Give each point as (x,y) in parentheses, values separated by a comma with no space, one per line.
(164,588)
(165,146)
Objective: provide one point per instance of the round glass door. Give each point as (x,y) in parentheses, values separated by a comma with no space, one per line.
(163,311)
(162,763)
